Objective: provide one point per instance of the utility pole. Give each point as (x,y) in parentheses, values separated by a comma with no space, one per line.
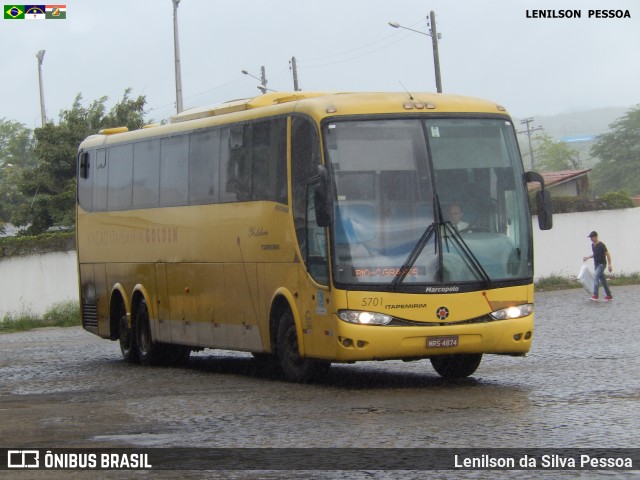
(294,70)
(435,36)
(176,47)
(529,131)
(43,115)
(436,55)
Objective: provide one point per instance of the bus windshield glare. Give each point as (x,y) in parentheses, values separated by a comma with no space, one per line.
(437,201)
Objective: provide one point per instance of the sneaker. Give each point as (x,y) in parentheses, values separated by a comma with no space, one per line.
(608,298)
(594,298)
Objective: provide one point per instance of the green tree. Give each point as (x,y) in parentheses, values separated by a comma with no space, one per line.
(552,156)
(619,154)
(16,154)
(51,184)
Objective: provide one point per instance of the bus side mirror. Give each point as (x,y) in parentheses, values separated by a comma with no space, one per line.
(322,203)
(543,202)
(545,211)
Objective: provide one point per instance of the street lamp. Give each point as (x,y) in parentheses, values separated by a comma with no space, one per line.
(263,80)
(434,42)
(40,57)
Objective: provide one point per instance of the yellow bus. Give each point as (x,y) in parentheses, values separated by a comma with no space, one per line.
(309,228)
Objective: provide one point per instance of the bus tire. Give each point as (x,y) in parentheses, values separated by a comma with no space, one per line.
(127,341)
(294,367)
(456,366)
(148,350)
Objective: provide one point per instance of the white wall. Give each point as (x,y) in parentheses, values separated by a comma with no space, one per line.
(36,282)
(559,251)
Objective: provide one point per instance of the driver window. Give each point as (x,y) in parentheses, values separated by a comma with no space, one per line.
(305,158)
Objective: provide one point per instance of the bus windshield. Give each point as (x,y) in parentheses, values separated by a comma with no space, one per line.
(428,201)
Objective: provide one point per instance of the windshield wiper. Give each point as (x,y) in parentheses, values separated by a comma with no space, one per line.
(434,229)
(464,248)
(413,255)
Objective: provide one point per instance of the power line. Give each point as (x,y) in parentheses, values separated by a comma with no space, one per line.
(404,37)
(347,52)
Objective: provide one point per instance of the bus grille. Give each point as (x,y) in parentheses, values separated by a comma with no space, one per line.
(89,315)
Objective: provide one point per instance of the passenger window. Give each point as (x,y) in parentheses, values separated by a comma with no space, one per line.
(236,178)
(174,171)
(100,181)
(120,159)
(146,174)
(270,161)
(204,169)
(85,179)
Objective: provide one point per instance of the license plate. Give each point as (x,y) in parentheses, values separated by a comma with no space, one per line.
(442,342)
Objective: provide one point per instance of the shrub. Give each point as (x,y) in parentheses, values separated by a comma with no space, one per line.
(45,243)
(63,314)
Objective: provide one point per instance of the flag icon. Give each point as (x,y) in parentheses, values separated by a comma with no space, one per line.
(56,12)
(34,12)
(14,12)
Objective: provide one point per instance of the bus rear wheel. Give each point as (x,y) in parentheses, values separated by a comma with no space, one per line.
(148,350)
(456,366)
(295,367)
(127,341)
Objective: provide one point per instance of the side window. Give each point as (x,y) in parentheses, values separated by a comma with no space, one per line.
(305,158)
(100,181)
(86,166)
(204,148)
(146,174)
(270,161)
(174,169)
(120,193)
(235,172)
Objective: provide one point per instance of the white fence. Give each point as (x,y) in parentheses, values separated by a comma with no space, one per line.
(34,283)
(559,251)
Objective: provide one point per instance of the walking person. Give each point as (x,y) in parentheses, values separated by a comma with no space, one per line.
(600,258)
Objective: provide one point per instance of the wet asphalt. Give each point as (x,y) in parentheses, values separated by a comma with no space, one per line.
(578,388)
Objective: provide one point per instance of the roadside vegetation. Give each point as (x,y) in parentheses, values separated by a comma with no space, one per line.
(64,314)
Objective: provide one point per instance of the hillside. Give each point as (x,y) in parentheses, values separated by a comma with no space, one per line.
(573,128)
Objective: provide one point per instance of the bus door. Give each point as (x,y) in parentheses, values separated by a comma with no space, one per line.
(314,301)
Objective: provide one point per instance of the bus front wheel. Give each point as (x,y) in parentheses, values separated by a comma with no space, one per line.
(295,367)
(456,366)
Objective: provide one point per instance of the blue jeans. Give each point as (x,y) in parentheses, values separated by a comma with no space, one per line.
(599,278)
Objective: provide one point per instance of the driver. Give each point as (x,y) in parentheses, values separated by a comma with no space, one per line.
(455,217)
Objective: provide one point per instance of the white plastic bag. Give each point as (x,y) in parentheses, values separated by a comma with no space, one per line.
(585,277)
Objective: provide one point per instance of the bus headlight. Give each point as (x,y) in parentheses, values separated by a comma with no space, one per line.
(364,318)
(517,311)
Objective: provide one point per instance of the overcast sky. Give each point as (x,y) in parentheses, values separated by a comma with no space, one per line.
(488,49)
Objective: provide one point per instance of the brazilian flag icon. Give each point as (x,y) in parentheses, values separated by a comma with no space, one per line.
(14,12)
